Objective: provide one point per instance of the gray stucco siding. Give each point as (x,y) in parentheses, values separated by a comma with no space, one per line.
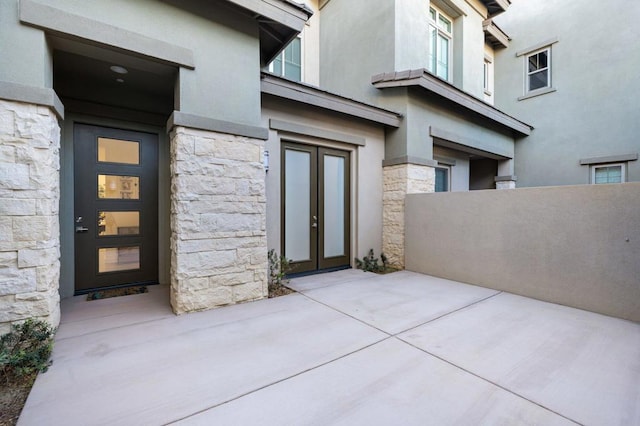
(357,39)
(423,115)
(225,46)
(593,109)
(26,59)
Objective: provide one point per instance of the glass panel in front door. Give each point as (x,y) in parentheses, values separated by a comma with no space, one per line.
(297,205)
(334,226)
(114,259)
(118,151)
(118,223)
(118,187)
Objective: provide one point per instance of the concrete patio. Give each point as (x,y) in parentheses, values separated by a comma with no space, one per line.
(349,348)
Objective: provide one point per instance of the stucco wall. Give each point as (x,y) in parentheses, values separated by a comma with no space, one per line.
(593,112)
(347,41)
(366,170)
(573,245)
(224,43)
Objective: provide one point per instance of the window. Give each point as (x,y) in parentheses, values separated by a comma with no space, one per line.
(442,179)
(538,69)
(608,173)
(440,42)
(288,63)
(487,82)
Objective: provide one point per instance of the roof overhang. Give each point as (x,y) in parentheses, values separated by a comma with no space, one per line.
(494,35)
(311,95)
(495,7)
(280,21)
(435,86)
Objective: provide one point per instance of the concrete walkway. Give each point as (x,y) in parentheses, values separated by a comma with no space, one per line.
(351,348)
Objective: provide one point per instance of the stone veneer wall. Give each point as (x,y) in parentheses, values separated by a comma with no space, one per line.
(218,220)
(506,184)
(398,181)
(29,206)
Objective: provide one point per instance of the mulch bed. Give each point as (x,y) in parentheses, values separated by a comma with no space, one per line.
(115,292)
(13,396)
(279,290)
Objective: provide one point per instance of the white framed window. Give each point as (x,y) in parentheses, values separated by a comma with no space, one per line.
(487,82)
(443,178)
(440,43)
(288,63)
(608,173)
(538,70)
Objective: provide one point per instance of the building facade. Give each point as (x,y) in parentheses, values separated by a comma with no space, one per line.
(131,153)
(576,87)
(177,142)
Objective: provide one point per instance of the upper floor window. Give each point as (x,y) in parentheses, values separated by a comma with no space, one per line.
(608,173)
(288,63)
(440,43)
(538,70)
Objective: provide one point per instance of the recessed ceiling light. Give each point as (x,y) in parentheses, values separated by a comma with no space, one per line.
(119,80)
(118,69)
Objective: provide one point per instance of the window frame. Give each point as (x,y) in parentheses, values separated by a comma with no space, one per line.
(547,69)
(623,172)
(447,169)
(281,56)
(433,24)
(487,84)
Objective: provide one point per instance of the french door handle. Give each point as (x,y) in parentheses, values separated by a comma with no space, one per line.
(314,225)
(81,229)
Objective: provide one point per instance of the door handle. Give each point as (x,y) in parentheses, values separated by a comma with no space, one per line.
(81,229)
(314,225)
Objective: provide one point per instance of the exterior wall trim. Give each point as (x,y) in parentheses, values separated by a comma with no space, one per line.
(537,93)
(59,22)
(183,119)
(284,12)
(495,35)
(310,95)
(33,95)
(537,46)
(426,80)
(409,159)
(445,160)
(302,129)
(609,159)
(509,178)
(454,141)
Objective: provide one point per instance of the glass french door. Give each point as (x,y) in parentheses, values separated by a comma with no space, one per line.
(116,207)
(315,207)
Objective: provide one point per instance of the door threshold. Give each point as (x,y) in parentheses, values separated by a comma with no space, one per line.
(114,287)
(317,272)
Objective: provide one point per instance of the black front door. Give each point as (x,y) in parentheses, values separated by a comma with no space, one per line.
(116,207)
(315,207)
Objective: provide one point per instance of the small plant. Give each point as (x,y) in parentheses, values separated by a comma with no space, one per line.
(369,263)
(26,349)
(279,266)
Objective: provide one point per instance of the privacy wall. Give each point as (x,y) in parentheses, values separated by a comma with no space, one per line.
(574,245)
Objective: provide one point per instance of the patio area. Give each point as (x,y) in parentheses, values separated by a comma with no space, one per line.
(349,348)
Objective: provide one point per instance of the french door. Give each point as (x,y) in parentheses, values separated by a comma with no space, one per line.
(316,213)
(116,207)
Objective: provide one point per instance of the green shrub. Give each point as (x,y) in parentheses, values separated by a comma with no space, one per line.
(279,266)
(25,350)
(369,263)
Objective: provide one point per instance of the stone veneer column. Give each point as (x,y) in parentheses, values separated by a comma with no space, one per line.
(218,220)
(29,206)
(506,182)
(398,181)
